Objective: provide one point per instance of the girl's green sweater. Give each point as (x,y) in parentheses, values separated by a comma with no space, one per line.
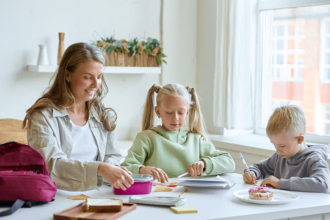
(174,151)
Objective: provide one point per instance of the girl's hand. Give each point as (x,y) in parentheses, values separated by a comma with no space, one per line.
(115,175)
(157,173)
(271,181)
(124,168)
(196,168)
(247,178)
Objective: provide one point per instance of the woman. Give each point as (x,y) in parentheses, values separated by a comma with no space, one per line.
(72,129)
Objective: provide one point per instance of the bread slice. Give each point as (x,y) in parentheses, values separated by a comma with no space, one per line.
(104,205)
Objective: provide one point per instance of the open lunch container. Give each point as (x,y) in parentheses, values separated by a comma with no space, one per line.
(142,185)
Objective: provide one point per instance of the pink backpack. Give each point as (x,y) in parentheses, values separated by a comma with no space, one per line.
(24,177)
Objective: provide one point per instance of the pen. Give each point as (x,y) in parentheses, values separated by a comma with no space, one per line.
(247,168)
(183,175)
(185,191)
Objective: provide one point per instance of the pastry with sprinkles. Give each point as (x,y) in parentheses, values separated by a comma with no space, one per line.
(260,193)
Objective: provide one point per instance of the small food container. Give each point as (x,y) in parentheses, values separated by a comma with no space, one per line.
(142,185)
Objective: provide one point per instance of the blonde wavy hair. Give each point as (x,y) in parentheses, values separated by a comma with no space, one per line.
(290,118)
(196,121)
(59,94)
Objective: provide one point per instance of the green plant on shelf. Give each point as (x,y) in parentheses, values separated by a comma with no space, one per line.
(133,46)
(151,47)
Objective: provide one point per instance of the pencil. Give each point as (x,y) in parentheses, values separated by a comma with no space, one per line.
(183,175)
(246,167)
(185,191)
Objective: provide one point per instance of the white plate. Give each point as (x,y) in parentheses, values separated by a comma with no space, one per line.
(280,197)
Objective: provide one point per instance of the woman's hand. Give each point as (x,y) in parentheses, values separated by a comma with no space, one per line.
(115,175)
(157,173)
(124,168)
(247,178)
(271,181)
(196,168)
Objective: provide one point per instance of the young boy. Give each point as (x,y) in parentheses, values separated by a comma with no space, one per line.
(294,166)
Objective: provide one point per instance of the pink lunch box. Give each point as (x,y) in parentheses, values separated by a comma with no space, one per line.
(142,185)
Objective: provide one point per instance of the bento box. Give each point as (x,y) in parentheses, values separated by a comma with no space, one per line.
(142,185)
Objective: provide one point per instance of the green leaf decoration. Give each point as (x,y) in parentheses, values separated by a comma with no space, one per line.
(159,61)
(131,45)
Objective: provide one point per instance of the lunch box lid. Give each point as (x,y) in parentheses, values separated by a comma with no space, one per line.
(142,177)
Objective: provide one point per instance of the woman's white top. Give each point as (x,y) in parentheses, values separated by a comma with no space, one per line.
(84,146)
(51,134)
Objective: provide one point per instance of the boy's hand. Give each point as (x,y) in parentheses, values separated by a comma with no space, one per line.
(271,181)
(157,173)
(247,178)
(196,168)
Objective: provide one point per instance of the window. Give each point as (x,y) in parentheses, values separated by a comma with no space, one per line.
(288,50)
(326,120)
(325,63)
(294,62)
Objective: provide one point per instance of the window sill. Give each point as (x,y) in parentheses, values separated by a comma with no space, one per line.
(251,144)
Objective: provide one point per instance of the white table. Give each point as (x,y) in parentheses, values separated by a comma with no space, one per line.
(211,204)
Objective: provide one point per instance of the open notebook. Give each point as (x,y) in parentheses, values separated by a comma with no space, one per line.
(212,182)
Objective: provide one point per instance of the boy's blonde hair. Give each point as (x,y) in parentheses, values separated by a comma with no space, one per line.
(195,122)
(290,118)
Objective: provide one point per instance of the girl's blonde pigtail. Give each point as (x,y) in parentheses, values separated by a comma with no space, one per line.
(148,112)
(196,121)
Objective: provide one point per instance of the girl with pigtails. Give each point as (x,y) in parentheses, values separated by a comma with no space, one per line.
(175,147)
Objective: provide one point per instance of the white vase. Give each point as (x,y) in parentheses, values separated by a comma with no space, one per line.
(43,55)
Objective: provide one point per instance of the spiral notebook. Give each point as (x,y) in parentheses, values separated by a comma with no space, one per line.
(214,182)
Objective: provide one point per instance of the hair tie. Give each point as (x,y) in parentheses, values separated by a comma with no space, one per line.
(191,90)
(155,88)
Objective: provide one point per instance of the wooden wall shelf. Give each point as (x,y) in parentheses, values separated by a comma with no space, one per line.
(107,69)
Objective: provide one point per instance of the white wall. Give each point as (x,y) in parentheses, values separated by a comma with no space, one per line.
(26,23)
(206,36)
(180,40)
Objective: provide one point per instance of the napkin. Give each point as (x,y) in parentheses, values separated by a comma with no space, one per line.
(79,197)
(184,209)
(162,189)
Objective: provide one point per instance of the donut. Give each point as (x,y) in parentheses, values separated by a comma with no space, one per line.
(260,193)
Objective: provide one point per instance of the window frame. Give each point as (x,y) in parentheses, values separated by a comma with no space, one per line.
(323,51)
(259,96)
(327,121)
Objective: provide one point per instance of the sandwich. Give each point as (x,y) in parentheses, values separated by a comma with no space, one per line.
(103,205)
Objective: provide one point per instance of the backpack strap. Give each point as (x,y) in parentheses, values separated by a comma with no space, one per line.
(5,146)
(18,204)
